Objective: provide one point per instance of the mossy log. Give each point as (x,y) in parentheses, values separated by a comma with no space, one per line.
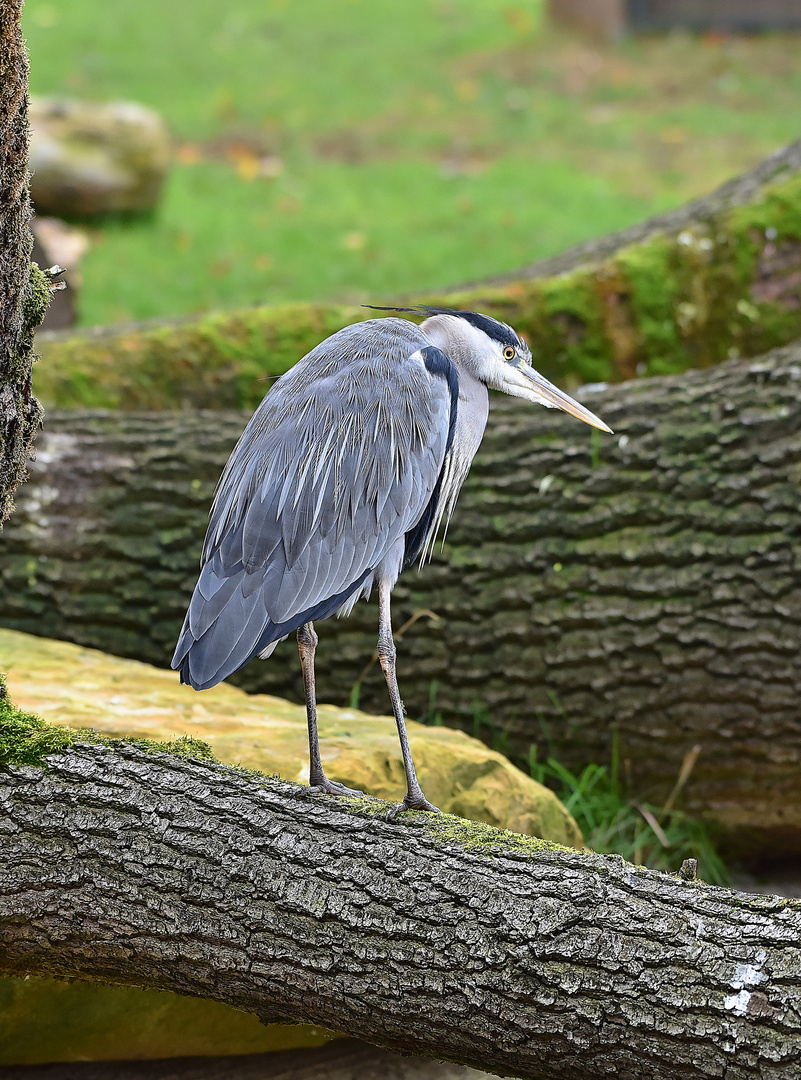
(427,934)
(24,289)
(715,279)
(646,584)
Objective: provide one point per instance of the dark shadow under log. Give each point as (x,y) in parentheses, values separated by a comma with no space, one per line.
(427,934)
(344,1059)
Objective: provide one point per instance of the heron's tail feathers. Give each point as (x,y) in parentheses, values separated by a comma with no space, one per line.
(207,660)
(229,626)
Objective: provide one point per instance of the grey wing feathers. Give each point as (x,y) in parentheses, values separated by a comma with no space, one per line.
(338,462)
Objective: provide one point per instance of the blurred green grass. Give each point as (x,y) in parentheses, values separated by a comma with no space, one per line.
(355,149)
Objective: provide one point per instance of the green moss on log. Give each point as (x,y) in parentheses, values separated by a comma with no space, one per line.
(37,299)
(215,362)
(26,739)
(721,285)
(482,839)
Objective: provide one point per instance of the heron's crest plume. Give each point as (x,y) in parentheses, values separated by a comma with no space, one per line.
(494,329)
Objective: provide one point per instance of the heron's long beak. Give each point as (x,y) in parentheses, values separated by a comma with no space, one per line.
(554,398)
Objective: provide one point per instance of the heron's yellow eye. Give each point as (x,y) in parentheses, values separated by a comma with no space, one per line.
(509,353)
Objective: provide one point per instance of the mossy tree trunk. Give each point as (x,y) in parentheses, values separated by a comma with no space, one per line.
(427,934)
(24,292)
(646,583)
(716,278)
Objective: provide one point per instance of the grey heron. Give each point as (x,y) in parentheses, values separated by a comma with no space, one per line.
(340,481)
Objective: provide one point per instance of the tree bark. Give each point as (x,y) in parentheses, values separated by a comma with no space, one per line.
(645,583)
(427,934)
(24,291)
(716,278)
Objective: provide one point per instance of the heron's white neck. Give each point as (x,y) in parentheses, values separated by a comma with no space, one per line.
(469,348)
(466,347)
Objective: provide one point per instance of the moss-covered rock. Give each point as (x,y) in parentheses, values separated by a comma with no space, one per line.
(46,1020)
(714,280)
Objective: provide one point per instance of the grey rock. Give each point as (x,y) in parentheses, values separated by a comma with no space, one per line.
(89,159)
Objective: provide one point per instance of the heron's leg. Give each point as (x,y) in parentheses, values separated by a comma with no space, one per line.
(415,799)
(318,781)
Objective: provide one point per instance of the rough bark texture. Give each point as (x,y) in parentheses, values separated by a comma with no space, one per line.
(716,278)
(24,291)
(427,934)
(647,583)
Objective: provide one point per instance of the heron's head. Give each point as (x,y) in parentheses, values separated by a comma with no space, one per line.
(497,356)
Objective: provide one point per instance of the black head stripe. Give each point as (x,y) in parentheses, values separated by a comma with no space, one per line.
(498,331)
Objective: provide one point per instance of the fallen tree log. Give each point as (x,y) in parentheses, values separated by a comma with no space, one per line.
(645,584)
(427,934)
(716,278)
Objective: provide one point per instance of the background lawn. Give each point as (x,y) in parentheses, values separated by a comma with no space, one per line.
(355,149)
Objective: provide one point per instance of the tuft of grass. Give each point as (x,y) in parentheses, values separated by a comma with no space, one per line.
(614,822)
(485,729)
(432,715)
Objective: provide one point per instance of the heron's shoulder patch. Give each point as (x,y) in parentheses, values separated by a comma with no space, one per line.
(440,364)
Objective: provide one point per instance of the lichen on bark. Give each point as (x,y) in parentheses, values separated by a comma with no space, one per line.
(24,288)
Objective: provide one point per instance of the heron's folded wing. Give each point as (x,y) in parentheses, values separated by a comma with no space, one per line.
(336,466)
(340,483)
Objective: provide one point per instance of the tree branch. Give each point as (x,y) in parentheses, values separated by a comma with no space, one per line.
(428,934)
(24,290)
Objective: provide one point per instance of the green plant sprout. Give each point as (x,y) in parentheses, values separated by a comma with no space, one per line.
(613,822)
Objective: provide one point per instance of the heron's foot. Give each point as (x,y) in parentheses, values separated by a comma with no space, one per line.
(413,802)
(324,786)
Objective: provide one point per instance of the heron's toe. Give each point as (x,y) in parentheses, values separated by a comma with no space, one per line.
(333,787)
(412,802)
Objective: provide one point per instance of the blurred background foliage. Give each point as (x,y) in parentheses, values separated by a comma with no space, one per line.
(354,149)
